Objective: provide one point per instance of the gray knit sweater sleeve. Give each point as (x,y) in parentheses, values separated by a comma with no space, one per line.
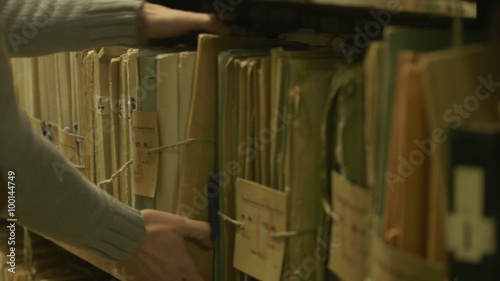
(35,27)
(52,197)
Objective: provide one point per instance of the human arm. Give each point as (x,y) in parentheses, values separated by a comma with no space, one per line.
(38,27)
(52,197)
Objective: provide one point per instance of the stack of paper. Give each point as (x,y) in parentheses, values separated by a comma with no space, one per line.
(307,166)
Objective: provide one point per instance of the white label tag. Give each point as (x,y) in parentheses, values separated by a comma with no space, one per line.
(471,236)
(263,212)
(350,235)
(145,165)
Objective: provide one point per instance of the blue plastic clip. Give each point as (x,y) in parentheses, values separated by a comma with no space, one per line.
(213,203)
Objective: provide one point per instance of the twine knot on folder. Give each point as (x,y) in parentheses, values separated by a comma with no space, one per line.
(80,167)
(116,174)
(225,217)
(328,210)
(275,235)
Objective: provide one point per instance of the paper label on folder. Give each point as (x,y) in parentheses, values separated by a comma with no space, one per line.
(36,125)
(69,146)
(145,165)
(350,235)
(471,235)
(263,212)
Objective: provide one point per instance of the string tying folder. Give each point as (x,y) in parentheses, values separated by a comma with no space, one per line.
(177,144)
(116,174)
(328,210)
(275,235)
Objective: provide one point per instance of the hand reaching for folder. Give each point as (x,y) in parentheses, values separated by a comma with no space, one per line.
(163,255)
(158,22)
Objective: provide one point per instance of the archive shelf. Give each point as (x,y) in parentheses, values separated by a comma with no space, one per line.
(270,18)
(441,8)
(334,17)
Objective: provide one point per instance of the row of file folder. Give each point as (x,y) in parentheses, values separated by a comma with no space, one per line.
(308,167)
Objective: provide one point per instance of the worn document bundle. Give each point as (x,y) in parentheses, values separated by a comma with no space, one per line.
(307,165)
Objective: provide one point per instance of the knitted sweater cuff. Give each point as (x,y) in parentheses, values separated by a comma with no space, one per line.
(112,22)
(121,233)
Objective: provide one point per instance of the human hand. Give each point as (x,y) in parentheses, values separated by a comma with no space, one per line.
(158,22)
(163,255)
